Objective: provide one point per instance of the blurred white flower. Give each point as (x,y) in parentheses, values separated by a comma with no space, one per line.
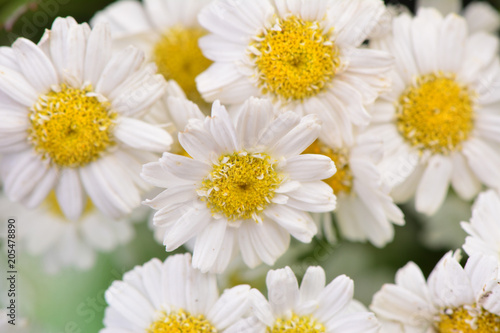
(440,123)
(484,226)
(167,31)
(454,299)
(60,242)
(365,211)
(480,15)
(313,307)
(172,297)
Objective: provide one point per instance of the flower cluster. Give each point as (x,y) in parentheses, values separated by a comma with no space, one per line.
(250,127)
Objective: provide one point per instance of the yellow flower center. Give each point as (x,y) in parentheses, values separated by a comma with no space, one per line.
(341,181)
(302,324)
(295,59)
(53,206)
(178,57)
(181,322)
(436,113)
(474,320)
(70,126)
(241,185)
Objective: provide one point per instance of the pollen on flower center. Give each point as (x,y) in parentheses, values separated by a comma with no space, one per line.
(341,181)
(70,126)
(181,321)
(295,59)
(436,113)
(472,320)
(178,57)
(297,324)
(241,185)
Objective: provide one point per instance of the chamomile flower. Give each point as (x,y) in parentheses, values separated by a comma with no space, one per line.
(454,299)
(64,242)
(312,308)
(71,120)
(305,56)
(172,296)
(364,210)
(484,226)
(246,186)
(441,119)
(480,15)
(167,31)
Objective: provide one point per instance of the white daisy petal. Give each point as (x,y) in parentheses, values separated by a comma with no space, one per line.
(16,86)
(189,225)
(283,290)
(434,184)
(334,298)
(119,67)
(34,64)
(297,223)
(97,54)
(299,138)
(231,306)
(254,118)
(299,167)
(70,194)
(141,135)
(208,244)
(221,128)
(197,142)
(312,284)
(463,180)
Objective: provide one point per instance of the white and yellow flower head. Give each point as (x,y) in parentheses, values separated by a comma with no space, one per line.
(453,299)
(440,122)
(365,211)
(312,308)
(480,15)
(71,120)
(246,186)
(46,233)
(173,297)
(484,226)
(303,55)
(167,31)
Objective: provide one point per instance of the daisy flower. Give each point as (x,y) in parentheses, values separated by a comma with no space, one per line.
(312,308)
(480,15)
(67,243)
(71,120)
(484,226)
(364,211)
(440,123)
(167,31)
(454,299)
(172,297)
(306,56)
(246,186)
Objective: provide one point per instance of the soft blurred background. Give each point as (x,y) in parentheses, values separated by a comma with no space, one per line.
(72,301)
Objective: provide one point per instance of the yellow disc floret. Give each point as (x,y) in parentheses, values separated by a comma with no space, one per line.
(181,322)
(296,324)
(241,185)
(472,320)
(436,113)
(341,181)
(179,57)
(70,126)
(295,59)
